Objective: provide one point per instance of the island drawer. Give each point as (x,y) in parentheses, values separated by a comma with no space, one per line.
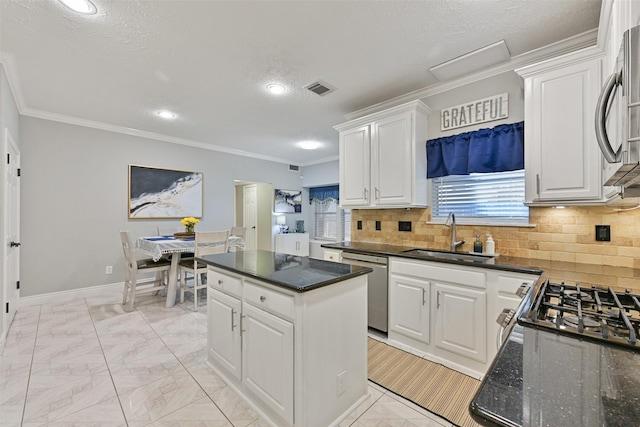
(269,300)
(224,282)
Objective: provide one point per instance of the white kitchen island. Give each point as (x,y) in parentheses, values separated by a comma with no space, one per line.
(289,334)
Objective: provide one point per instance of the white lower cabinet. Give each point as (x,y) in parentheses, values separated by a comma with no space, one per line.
(447,312)
(461,321)
(293,244)
(409,307)
(332,255)
(224,342)
(298,358)
(267,359)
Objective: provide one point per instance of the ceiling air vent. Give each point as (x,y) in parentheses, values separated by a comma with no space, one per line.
(294,168)
(320,88)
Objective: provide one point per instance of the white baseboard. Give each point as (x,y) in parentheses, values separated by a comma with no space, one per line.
(65,296)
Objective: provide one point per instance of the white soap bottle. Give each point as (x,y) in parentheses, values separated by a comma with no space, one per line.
(490,246)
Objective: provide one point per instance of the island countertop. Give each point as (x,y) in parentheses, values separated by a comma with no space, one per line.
(296,273)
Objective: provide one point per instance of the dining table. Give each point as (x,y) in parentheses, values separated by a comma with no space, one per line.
(158,246)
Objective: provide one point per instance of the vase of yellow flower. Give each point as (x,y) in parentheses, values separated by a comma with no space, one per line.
(189,224)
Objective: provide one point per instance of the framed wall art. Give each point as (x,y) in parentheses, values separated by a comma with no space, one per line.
(164,193)
(287,201)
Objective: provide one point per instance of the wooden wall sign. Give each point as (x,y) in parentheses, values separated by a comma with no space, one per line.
(483,110)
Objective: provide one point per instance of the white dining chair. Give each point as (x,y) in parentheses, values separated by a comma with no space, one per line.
(237,237)
(207,243)
(136,266)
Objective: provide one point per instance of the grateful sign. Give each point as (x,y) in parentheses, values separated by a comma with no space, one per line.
(483,110)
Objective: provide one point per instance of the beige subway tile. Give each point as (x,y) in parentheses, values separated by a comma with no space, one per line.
(619,261)
(577,229)
(540,254)
(632,284)
(563,256)
(587,258)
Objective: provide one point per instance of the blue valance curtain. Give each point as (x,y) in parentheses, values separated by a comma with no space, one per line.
(324,193)
(498,149)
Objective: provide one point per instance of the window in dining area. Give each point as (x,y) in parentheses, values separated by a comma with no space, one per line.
(330,222)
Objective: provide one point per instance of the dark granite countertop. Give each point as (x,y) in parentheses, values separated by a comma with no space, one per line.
(518,265)
(296,273)
(543,378)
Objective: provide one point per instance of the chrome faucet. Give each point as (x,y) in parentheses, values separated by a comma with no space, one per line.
(451,222)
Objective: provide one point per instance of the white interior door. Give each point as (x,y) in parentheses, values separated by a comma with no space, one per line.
(11,231)
(250,215)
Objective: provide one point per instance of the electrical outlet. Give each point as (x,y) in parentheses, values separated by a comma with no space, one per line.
(603,233)
(378,225)
(404,225)
(340,379)
(108,270)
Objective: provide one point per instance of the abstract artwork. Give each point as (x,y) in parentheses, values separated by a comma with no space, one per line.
(164,193)
(287,201)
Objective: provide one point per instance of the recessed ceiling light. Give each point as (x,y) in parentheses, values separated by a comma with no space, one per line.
(309,145)
(165,114)
(276,88)
(81,6)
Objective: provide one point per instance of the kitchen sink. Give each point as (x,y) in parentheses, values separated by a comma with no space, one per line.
(455,256)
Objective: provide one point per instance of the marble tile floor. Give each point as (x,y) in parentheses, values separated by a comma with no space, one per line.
(88,363)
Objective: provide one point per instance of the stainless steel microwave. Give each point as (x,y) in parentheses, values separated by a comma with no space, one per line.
(623,87)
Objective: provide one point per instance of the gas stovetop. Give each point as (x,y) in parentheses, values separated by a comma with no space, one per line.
(600,314)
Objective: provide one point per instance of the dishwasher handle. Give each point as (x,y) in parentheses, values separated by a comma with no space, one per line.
(372,259)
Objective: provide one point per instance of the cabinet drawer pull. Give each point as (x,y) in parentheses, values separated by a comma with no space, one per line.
(263,298)
(220,282)
(233,313)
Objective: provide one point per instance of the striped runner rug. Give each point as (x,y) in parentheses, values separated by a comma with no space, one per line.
(438,389)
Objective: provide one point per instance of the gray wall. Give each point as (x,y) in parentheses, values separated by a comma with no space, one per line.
(74,198)
(507,82)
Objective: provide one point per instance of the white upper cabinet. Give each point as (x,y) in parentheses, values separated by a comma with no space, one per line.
(383,161)
(563,163)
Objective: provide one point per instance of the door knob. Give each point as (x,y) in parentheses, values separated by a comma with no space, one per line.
(14,244)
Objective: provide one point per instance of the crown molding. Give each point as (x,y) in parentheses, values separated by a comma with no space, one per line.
(579,41)
(319,161)
(45,115)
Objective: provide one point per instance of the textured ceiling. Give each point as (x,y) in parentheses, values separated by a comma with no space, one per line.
(210,61)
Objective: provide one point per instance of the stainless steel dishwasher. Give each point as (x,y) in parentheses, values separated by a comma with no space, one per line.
(378,287)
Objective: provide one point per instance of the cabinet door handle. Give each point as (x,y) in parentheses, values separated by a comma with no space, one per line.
(263,298)
(366,194)
(220,282)
(233,312)
(438,300)
(424,296)
(538,184)
(242,323)
(377,193)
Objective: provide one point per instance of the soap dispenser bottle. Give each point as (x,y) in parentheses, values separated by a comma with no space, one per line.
(491,245)
(477,245)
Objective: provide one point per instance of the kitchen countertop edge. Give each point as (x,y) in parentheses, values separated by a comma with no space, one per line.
(398,251)
(355,272)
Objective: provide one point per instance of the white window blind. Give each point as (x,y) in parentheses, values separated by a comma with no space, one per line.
(331,222)
(497,196)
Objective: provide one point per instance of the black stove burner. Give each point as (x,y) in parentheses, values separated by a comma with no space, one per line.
(590,312)
(587,321)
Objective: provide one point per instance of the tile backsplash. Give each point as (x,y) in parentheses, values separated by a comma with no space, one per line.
(555,235)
